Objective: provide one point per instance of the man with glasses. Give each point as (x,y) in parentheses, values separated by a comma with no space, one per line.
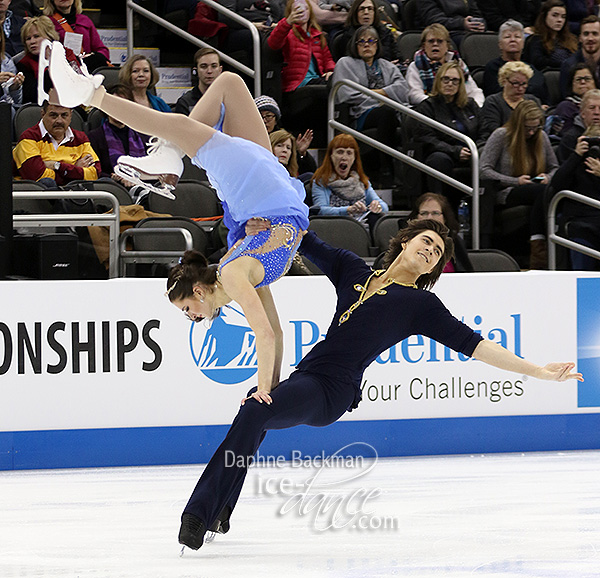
(589,52)
(435,51)
(511,41)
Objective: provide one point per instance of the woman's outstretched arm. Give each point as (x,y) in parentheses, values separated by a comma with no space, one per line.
(496,355)
(235,278)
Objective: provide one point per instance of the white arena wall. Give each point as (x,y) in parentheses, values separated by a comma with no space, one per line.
(108,373)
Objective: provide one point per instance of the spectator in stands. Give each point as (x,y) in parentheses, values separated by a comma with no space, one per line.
(589,52)
(141,76)
(11,25)
(270,113)
(207,67)
(581,79)
(581,173)
(307,59)
(496,13)
(263,13)
(589,115)
(11,81)
(283,145)
(340,186)
(553,42)
(517,163)
(513,77)
(68,18)
(511,40)
(437,207)
(53,153)
(26,8)
(34,31)
(435,51)
(450,105)
(365,67)
(577,10)
(330,20)
(113,139)
(458,16)
(365,13)
(307,63)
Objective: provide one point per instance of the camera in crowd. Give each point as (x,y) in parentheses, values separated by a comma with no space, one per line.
(594,147)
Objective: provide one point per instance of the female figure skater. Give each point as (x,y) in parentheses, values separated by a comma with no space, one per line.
(375,310)
(249,180)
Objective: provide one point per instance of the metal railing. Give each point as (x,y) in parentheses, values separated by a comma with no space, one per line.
(150,256)
(110,220)
(554,239)
(255,73)
(473,190)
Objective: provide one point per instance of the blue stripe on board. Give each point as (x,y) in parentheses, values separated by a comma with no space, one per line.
(196,444)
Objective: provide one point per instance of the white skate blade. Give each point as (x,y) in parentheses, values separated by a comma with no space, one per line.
(44,62)
(130,174)
(209,537)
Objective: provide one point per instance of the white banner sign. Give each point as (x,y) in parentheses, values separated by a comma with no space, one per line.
(101,354)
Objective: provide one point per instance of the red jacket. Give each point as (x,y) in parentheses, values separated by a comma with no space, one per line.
(297,53)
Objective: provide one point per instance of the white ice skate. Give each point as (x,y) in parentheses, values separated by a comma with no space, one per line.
(43,62)
(71,87)
(163,163)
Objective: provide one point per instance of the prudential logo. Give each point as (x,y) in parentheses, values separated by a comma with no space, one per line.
(226,352)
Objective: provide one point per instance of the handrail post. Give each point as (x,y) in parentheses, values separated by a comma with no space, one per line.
(472,190)
(255,73)
(553,238)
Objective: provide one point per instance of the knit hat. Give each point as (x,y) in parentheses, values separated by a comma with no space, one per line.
(267,104)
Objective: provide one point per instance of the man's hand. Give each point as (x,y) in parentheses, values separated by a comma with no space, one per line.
(85,161)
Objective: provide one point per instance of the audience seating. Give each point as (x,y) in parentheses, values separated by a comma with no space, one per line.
(409,15)
(408,44)
(344,232)
(478,48)
(111,75)
(106,185)
(386,227)
(489,260)
(552,77)
(30,114)
(192,199)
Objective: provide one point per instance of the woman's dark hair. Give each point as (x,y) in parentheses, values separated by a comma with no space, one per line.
(450,219)
(574,70)
(548,37)
(352,18)
(193,269)
(358,34)
(412,229)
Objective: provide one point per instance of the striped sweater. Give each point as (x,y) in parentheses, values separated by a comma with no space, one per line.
(32,151)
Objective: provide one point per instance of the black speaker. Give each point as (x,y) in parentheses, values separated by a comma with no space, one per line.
(51,256)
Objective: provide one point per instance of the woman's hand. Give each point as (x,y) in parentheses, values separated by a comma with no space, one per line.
(257,225)
(524,180)
(375,207)
(559,372)
(5,76)
(296,15)
(303,142)
(545,180)
(260,395)
(474,24)
(592,166)
(582,146)
(357,208)
(327,75)
(465,154)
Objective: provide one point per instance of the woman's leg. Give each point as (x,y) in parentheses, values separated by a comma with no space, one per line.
(242,118)
(186,133)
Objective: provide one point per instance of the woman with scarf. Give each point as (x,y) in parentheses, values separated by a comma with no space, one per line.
(340,186)
(67,17)
(435,51)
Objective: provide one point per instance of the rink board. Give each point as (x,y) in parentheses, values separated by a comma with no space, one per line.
(107,373)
